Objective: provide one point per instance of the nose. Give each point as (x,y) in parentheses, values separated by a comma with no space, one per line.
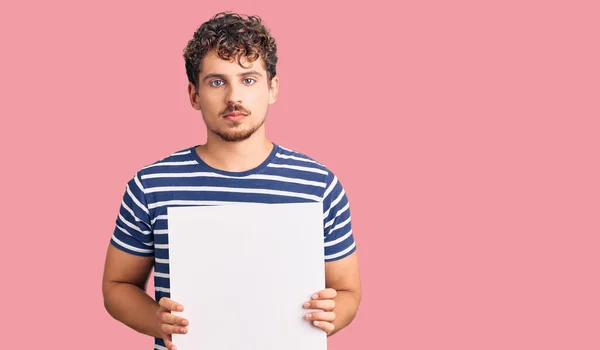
(233,95)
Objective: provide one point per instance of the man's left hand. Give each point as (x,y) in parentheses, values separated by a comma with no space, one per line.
(322,300)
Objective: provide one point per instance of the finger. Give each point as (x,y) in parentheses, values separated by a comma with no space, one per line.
(325,305)
(321,316)
(170,329)
(170,304)
(328,293)
(169,344)
(326,326)
(169,318)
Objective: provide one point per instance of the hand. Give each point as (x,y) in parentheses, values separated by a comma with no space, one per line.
(169,323)
(322,300)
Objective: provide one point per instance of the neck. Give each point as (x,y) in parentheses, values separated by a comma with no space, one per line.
(235,156)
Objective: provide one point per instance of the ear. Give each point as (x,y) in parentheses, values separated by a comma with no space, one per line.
(273,90)
(194,98)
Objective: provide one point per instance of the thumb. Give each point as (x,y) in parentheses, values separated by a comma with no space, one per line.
(168,341)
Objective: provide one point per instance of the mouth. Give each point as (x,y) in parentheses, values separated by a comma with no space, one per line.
(234,115)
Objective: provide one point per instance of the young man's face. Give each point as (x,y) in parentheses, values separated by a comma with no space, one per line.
(234,100)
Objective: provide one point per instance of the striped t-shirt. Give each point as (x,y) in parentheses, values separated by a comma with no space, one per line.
(183,179)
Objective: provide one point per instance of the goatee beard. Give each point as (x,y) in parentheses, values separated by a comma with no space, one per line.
(237,136)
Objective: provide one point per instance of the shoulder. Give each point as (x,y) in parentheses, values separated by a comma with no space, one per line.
(178,157)
(173,162)
(297,158)
(290,156)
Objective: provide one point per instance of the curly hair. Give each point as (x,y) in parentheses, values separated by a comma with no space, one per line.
(231,35)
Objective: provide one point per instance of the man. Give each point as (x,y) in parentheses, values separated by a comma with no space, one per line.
(231,68)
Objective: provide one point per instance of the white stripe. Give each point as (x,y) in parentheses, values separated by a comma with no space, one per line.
(129,210)
(233,190)
(133,214)
(333,256)
(247,177)
(338,199)
(284,156)
(292,151)
(159,347)
(329,244)
(161,232)
(340,225)
(162,261)
(161,275)
(287,179)
(161,246)
(160,217)
(333,204)
(125,245)
(330,188)
(286,149)
(296,167)
(162,289)
(135,200)
(139,184)
(187,162)
(338,214)
(194,174)
(192,202)
(150,244)
(132,225)
(181,153)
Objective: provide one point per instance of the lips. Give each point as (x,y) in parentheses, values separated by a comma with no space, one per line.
(234,115)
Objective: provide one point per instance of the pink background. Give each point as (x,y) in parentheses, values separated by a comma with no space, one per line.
(475,202)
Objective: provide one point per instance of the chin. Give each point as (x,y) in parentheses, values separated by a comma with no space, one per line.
(236,131)
(235,135)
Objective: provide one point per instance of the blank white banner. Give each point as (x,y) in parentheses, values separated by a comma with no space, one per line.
(243,272)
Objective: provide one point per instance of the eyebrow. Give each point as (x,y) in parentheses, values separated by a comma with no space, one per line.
(221,76)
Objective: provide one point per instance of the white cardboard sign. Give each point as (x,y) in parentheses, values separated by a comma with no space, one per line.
(243,272)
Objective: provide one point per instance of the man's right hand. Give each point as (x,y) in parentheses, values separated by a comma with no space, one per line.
(169,323)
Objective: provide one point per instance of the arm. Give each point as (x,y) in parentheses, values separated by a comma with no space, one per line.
(342,296)
(343,277)
(123,288)
(125,299)
(340,299)
(129,261)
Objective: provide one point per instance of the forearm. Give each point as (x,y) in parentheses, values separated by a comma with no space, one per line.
(133,307)
(346,306)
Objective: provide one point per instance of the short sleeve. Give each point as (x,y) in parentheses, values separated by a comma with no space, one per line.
(337,221)
(133,231)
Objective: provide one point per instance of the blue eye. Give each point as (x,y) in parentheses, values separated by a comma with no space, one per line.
(215,81)
(249,81)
